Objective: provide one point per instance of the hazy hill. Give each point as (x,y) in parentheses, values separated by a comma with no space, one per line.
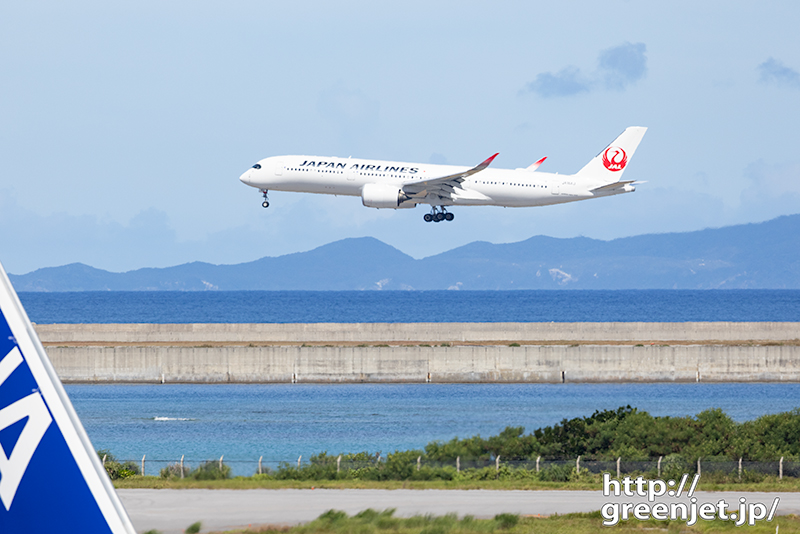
(763,255)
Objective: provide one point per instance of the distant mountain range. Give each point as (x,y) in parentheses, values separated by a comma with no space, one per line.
(764,256)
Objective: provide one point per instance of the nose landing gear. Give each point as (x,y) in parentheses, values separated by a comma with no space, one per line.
(266,199)
(438,214)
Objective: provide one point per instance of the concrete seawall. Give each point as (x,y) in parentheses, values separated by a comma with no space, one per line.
(583,363)
(414,332)
(273,353)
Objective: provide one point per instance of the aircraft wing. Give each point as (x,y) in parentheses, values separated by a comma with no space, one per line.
(444,185)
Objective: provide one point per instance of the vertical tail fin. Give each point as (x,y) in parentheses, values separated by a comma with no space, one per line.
(609,164)
(32,499)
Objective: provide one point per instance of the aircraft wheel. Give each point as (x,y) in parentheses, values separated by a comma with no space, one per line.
(439,217)
(449,216)
(265,204)
(428,217)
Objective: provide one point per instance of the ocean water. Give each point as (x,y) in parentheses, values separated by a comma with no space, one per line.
(284,421)
(412,306)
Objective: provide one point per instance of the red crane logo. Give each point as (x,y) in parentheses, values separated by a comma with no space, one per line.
(614,158)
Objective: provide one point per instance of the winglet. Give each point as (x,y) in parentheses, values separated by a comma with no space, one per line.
(536,165)
(486,163)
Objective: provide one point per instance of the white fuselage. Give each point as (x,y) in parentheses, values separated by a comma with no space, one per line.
(489,187)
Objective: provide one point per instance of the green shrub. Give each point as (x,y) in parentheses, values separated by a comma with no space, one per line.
(673,466)
(174,471)
(117,470)
(506,521)
(211,470)
(333,516)
(556,473)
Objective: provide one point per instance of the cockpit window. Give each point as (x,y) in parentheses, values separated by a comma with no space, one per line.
(257,166)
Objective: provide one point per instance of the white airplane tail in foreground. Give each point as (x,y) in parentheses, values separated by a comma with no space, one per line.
(397,185)
(51,479)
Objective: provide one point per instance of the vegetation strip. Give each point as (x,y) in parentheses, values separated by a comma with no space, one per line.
(375,522)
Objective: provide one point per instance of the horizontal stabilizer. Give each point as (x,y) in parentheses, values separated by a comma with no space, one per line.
(609,187)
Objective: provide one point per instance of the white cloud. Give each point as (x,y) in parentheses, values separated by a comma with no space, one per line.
(618,67)
(775,72)
(623,65)
(568,81)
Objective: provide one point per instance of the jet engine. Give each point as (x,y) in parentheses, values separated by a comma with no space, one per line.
(385,196)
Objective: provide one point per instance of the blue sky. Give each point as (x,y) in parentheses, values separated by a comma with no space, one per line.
(124,126)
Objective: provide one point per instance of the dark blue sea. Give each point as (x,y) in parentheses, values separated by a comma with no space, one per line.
(412,306)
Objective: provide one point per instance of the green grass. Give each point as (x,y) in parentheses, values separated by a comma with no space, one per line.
(590,484)
(373,522)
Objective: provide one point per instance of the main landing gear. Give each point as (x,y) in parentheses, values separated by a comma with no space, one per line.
(266,199)
(438,215)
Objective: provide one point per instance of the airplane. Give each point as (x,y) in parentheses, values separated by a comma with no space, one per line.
(397,185)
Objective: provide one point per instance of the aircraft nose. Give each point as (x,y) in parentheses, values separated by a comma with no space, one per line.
(245,178)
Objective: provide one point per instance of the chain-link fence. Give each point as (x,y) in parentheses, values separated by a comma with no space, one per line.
(379,468)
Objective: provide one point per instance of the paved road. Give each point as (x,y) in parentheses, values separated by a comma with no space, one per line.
(171,511)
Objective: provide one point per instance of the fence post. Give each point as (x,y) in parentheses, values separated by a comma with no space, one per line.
(578,466)
(298,461)
(182,455)
(780,469)
(618,472)
(537,463)
(419,460)
(104,460)
(497,463)
(220,462)
(458,464)
(259,464)
(659,466)
(740,468)
(698,466)
(338,462)
(143,464)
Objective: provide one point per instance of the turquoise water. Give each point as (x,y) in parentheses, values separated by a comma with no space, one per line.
(283,421)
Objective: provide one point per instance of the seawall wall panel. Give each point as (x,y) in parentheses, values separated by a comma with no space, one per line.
(485,363)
